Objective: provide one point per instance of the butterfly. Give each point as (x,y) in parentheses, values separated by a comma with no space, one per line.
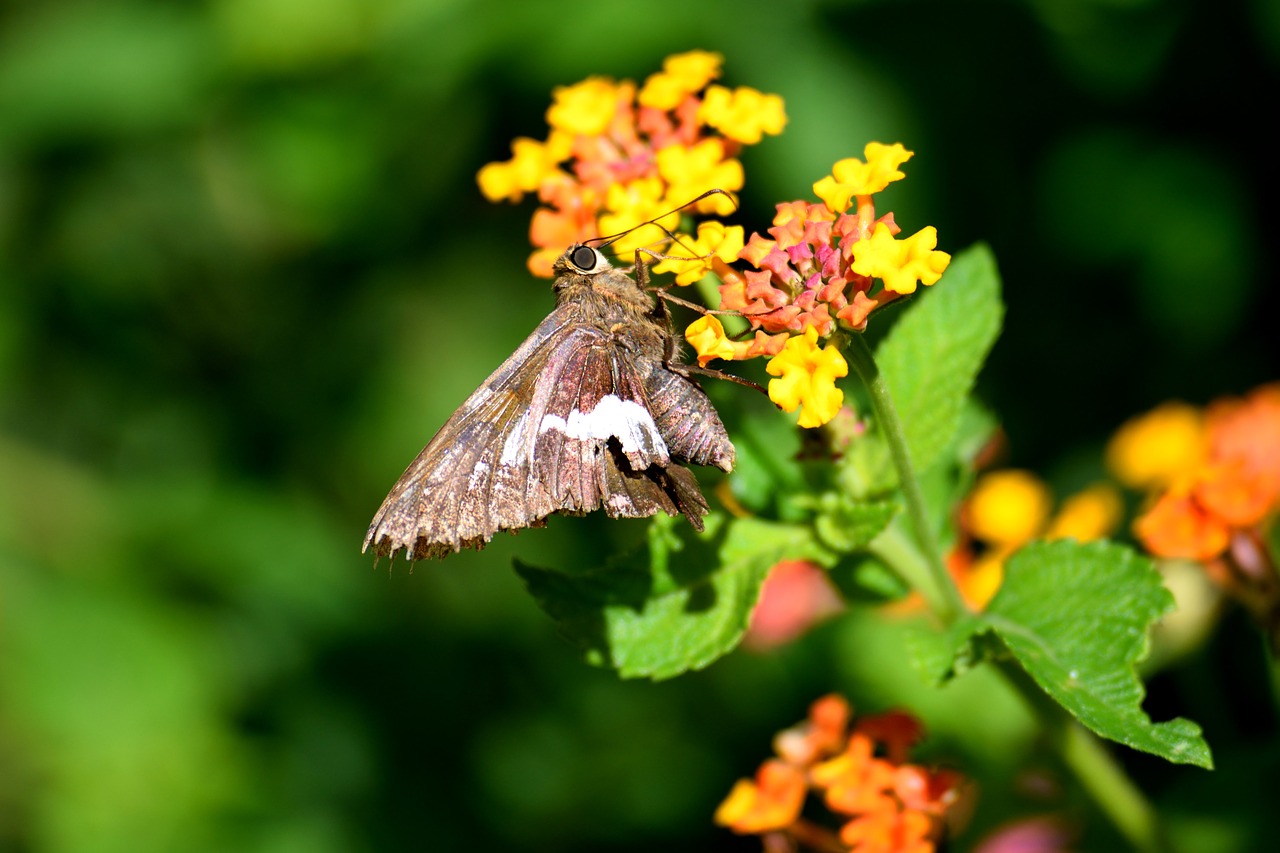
(593,411)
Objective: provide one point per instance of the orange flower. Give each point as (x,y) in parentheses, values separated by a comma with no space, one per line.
(855,781)
(822,734)
(894,805)
(889,831)
(1231,483)
(771,801)
(1177,526)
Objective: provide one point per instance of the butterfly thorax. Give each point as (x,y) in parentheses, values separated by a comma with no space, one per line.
(609,299)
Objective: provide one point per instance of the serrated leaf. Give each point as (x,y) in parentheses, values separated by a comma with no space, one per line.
(687,607)
(932,355)
(1077,617)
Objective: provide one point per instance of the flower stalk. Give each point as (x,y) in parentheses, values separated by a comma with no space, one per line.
(947,603)
(1080,750)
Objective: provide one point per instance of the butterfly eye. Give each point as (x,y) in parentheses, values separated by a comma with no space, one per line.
(585,258)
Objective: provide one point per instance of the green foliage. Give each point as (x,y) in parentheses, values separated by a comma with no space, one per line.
(1077,618)
(932,356)
(245,272)
(679,605)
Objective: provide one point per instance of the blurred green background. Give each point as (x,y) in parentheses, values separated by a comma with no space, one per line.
(245,273)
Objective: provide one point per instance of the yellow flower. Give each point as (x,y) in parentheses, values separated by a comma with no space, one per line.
(900,263)
(770,801)
(630,204)
(1153,450)
(532,162)
(690,171)
(743,114)
(1008,508)
(706,336)
(852,177)
(1087,515)
(584,108)
(715,240)
(807,379)
(681,76)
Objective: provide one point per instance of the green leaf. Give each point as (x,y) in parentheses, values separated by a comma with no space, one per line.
(688,605)
(844,524)
(939,655)
(1076,617)
(932,355)
(863,577)
(766,469)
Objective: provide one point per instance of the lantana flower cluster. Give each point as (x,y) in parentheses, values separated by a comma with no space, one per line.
(879,801)
(824,265)
(1212,482)
(1213,474)
(619,155)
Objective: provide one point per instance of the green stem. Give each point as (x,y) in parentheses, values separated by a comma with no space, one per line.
(1081,751)
(894,548)
(1093,765)
(1112,789)
(948,604)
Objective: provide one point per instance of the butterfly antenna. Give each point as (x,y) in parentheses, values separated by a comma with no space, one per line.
(613,238)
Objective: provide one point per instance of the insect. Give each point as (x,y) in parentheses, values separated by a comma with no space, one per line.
(594,410)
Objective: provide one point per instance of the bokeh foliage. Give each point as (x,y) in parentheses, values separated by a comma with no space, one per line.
(245,272)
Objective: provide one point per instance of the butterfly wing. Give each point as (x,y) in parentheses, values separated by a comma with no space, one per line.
(575,420)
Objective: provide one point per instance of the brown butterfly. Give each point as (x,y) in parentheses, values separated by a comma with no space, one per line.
(594,410)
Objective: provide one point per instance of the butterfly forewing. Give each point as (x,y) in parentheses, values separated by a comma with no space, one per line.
(586,414)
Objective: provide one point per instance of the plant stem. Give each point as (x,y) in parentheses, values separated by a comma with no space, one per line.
(894,547)
(1094,767)
(1081,751)
(1111,788)
(948,603)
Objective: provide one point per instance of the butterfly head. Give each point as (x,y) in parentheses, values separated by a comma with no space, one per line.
(581,259)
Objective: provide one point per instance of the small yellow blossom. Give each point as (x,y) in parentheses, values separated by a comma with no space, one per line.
(1008,508)
(682,75)
(715,240)
(743,114)
(1154,450)
(584,108)
(807,379)
(1087,515)
(690,171)
(706,336)
(852,177)
(900,263)
(770,801)
(638,201)
(982,581)
(531,164)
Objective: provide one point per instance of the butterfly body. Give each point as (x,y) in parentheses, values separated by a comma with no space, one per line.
(591,412)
